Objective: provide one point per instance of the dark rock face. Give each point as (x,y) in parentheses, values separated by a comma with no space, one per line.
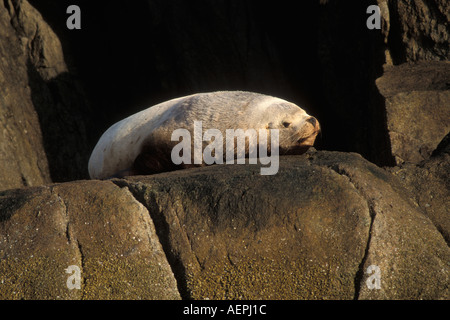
(419,30)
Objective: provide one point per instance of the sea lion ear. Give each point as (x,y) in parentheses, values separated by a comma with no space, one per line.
(269,125)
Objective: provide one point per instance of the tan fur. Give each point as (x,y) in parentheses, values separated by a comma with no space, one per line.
(141,143)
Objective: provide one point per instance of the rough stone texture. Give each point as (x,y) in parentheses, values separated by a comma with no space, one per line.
(309,232)
(419,30)
(400,235)
(429,182)
(94,225)
(23,161)
(385,28)
(39,43)
(41,103)
(246,236)
(417,101)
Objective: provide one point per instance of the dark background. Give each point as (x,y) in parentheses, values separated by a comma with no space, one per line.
(131,55)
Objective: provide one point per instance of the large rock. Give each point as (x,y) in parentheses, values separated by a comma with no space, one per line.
(93,225)
(44,115)
(429,182)
(23,161)
(419,30)
(308,232)
(417,100)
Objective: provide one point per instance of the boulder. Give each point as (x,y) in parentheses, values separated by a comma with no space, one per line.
(417,99)
(23,161)
(93,225)
(429,183)
(329,225)
(44,113)
(418,30)
(309,232)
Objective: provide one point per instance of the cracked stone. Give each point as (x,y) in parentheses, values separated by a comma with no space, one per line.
(75,234)
(225,232)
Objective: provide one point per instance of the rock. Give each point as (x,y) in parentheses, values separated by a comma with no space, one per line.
(39,43)
(234,234)
(308,232)
(429,182)
(417,100)
(93,225)
(23,161)
(419,30)
(399,234)
(311,231)
(196,49)
(43,109)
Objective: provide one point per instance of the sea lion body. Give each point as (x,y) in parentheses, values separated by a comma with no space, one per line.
(141,143)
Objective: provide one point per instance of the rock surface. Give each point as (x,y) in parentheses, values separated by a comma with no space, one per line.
(43,109)
(93,225)
(309,232)
(429,182)
(419,30)
(23,161)
(417,102)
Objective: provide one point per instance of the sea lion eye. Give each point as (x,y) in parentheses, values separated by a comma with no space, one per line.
(286,124)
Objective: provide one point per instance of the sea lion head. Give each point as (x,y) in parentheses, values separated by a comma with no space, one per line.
(297,129)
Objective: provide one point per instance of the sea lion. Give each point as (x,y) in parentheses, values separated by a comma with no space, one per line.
(142,144)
